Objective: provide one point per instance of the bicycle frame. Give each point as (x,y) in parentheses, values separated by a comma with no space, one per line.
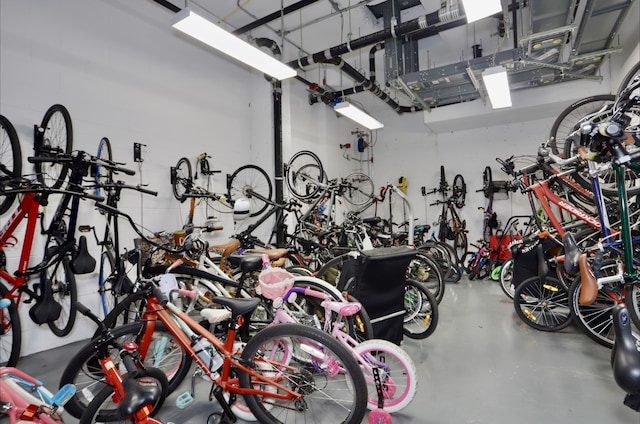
(29,208)
(179,324)
(22,397)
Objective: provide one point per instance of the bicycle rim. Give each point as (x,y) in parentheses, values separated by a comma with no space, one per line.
(543,305)
(55,138)
(10,159)
(102,174)
(253,183)
(63,285)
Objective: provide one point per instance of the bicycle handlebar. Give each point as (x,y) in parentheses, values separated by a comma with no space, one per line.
(121,185)
(82,157)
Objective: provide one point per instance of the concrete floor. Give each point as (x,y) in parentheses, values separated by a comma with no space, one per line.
(481,366)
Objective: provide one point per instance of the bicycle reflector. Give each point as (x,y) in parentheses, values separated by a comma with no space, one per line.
(241,208)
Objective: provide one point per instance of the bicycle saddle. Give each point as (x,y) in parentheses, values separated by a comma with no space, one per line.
(247,263)
(83,262)
(238,306)
(571,254)
(137,396)
(625,358)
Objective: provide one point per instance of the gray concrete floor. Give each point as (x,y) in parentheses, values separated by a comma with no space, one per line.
(482,365)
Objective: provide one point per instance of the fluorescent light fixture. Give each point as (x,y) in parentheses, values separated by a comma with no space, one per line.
(358,116)
(206,31)
(497,85)
(475,10)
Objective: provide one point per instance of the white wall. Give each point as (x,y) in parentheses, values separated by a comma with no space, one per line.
(124,74)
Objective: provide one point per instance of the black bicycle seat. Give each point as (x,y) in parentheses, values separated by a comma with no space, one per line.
(571,254)
(136,396)
(625,358)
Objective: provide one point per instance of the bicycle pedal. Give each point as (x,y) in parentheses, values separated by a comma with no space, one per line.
(184,400)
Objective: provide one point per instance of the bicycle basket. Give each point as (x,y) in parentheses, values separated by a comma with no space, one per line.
(274,283)
(150,254)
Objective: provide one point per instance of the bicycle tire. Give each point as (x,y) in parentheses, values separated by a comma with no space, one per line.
(65,292)
(440,254)
(426,271)
(303,173)
(629,76)
(253,183)
(487,182)
(460,242)
(182,180)
(108,298)
(348,380)
(103,410)
(506,277)
(459,191)
(443,181)
(101,174)
(632,301)
(596,320)
(10,332)
(565,123)
(54,137)
(608,183)
(543,305)
(85,372)
(10,163)
(421,316)
(360,190)
(398,374)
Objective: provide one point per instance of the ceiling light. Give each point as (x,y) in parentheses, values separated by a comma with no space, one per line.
(497,85)
(477,9)
(206,31)
(357,115)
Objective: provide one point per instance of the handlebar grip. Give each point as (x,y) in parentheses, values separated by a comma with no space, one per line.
(145,191)
(124,170)
(315,293)
(44,159)
(528,169)
(93,197)
(162,299)
(130,365)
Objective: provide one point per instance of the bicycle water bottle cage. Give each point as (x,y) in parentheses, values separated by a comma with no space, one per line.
(46,309)
(82,262)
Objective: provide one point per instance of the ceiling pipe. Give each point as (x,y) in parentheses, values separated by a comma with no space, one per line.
(449,11)
(273,16)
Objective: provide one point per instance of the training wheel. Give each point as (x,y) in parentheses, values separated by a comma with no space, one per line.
(379,416)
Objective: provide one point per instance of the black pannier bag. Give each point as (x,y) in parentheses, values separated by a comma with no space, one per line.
(376,278)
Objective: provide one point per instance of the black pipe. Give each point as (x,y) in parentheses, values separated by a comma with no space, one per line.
(273,16)
(514,18)
(172,7)
(399,30)
(372,60)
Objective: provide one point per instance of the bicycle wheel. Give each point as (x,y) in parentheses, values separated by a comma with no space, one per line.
(397,372)
(487,182)
(53,138)
(319,368)
(10,159)
(102,409)
(102,174)
(443,181)
(10,332)
(85,372)
(565,124)
(506,275)
(421,311)
(253,183)
(304,172)
(543,305)
(441,255)
(633,73)
(460,243)
(182,180)
(596,320)
(459,191)
(360,190)
(106,277)
(425,270)
(65,292)
(607,179)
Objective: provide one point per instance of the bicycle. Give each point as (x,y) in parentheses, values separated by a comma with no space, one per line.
(135,396)
(396,371)
(451,228)
(52,139)
(56,292)
(281,368)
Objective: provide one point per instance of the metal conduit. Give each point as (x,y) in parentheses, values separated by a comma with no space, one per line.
(273,16)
